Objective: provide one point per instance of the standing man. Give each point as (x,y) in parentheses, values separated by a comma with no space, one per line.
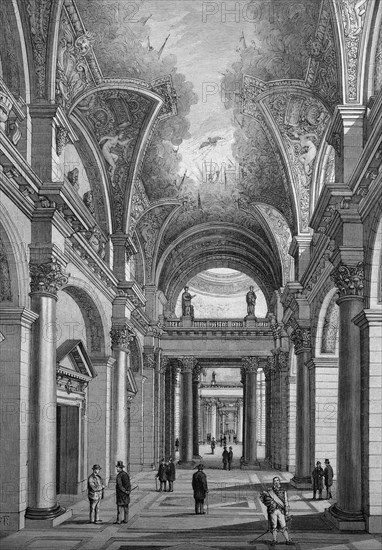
(328,476)
(225,458)
(213,445)
(199,485)
(170,474)
(230,457)
(317,481)
(123,489)
(95,493)
(276,501)
(162,475)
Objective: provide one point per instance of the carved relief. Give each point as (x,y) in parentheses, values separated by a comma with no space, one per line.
(5,278)
(349,279)
(301,339)
(353,14)
(330,328)
(250,364)
(121,336)
(301,122)
(72,75)
(39,15)
(149,361)
(47,277)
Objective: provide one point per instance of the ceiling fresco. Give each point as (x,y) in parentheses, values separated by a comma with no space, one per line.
(213,159)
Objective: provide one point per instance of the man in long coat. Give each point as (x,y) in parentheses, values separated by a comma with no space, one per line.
(317,480)
(95,494)
(162,475)
(225,458)
(123,489)
(170,474)
(199,485)
(328,476)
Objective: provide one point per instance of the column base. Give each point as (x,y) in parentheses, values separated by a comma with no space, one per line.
(196,457)
(345,521)
(46,518)
(186,464)
(301,482)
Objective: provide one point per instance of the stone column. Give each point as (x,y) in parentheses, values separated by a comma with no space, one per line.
(244,424)
(15,365)
(302,347)
(177,404)
(251,364)
(187,364)
(239,432)
(120,335)
(98,413)
(370,323)
(347,511)
(46,279)
(195,411)
(268,369)
(213,418)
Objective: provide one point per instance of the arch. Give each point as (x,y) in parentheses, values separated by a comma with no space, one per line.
(373,61)
(91,308)
(15,70)
(15,249)
(326,316)
(373,268)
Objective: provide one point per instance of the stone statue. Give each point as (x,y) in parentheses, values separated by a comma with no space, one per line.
(187,308)
(251,302)
(213,379)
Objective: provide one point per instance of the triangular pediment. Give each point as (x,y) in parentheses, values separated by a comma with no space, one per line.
(73,360)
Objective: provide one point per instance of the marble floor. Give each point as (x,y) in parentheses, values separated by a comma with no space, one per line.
(160,521)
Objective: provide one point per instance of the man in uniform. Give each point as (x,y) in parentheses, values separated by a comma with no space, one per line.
(95,493)
(123,489)
(199,485)
(276,501)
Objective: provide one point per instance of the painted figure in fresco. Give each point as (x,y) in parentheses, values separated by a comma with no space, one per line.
(187,308)
(328,477)
(95,493)
(162,475)
(317,480)
(170,472)
(308,150)
(200,487)
(251,302)
(276,501)
(122,489)
(109,143)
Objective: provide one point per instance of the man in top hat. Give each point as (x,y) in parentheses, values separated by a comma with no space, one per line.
(199,485)
(95,493)
(123,489)
(328,477)
(170,473)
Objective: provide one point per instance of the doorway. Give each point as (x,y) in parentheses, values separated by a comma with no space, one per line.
(67,449)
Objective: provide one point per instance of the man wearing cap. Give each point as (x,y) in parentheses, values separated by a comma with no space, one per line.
(199,485)
(123,489)
(95,493)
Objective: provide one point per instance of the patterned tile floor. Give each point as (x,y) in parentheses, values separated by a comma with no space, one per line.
(161,521)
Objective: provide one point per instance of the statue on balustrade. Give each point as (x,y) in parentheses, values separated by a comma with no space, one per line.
(251,303)
(187,307)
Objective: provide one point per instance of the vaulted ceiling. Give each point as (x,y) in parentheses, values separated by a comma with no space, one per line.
(216,162)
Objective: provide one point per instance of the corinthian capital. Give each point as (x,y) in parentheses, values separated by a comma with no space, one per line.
(349,279)
(121,336)
(250,364)
(196,373)
(269,367)
(47,277)
(301,338)
(187,363)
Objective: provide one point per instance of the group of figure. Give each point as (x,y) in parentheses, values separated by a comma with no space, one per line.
(96,493)
(319,476)
(166,472)
(227,458)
